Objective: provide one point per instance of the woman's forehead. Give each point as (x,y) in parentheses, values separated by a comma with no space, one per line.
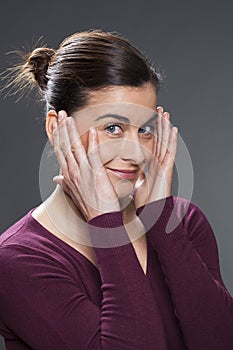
(129,113)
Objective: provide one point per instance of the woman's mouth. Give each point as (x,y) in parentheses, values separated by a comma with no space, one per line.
(124,173)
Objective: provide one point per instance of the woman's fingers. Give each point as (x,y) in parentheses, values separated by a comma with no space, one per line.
(64,140)
(166,137)
(66,148)
(80,170)
(58,179)
(93,150)
(76,155)
(164,154)
(158,180)
(165,122)
(77,147)
(58,152)
(169,158)
(159,130)
(69,166)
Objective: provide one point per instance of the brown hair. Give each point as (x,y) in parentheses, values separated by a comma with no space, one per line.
(85,61)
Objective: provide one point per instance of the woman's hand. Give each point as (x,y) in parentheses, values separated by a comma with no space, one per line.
(83,178)
(157,183)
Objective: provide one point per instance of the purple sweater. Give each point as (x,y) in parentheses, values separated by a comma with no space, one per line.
(52,297)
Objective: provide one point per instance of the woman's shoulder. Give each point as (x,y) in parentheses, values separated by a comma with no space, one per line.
(30,254)
(188,209)
(27,240)
(13,233)
(194,219)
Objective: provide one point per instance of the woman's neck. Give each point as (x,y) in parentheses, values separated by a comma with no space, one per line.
(60,215)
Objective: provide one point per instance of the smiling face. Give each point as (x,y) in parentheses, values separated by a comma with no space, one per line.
(124,118)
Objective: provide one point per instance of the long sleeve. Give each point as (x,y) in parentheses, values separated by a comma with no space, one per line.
(186,246)
(46,306)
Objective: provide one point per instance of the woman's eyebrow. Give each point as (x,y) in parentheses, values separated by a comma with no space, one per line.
(122,118)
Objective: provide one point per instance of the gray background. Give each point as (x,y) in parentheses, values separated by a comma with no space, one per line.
(191,42)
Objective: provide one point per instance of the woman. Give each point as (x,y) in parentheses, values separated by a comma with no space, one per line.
(73,276)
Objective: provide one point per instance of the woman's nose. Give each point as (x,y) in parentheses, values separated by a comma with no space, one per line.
(132,150)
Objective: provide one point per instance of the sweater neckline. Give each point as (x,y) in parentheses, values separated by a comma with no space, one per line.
(32,221)
(74,251)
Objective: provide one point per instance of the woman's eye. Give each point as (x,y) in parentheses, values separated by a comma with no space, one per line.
(147,129)
(113,129)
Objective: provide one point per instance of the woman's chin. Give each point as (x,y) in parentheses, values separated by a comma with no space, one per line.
(124,190)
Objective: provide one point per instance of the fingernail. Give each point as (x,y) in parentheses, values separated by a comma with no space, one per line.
(61,115)
(160,109)
(92,131)
(58,178)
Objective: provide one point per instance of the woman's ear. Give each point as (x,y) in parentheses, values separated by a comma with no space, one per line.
(51,122)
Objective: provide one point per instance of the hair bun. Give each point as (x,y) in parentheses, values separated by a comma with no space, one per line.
(38,62)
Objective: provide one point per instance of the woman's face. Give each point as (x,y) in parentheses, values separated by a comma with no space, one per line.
(124,144)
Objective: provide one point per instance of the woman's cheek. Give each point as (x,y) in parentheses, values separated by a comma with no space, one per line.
(109,148)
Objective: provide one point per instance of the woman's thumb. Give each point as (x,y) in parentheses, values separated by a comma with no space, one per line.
(58,179)
(139,182)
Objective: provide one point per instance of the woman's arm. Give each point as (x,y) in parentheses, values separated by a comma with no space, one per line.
(48,308)
(190,263)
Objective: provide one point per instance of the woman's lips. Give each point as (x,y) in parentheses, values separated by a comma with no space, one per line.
(126,174)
